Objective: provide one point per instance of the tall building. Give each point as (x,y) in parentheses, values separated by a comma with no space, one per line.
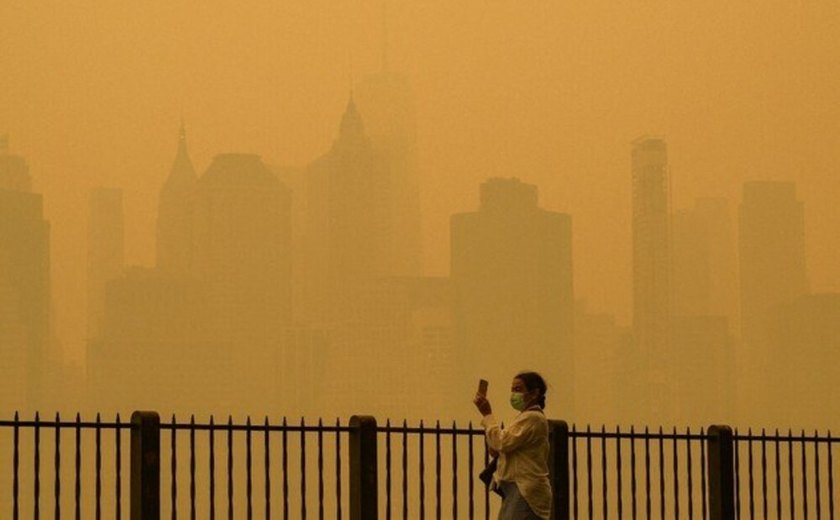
(771,247)
(704,274)
(24,287)
(704,262)
(387,102)
(803,348)
(157,341)
(242,247)
(511,269)
(176,212)
(106,251)
(651,266)
(350,227)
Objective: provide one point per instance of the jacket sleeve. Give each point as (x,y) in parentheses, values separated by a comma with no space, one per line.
(509,439)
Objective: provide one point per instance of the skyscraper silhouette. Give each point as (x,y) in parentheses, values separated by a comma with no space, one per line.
(106,251)
(24,286)
(651,265)
(704,274)
(350,228)
(803,345)
(176,212)
(771,247)
(241,247)
(387,102)
(511,269)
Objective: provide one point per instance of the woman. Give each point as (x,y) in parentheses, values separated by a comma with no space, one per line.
(522,447)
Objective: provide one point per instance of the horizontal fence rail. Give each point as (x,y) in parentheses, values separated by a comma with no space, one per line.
(282,468)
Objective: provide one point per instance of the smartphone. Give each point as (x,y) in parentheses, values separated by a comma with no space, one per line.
(482,387)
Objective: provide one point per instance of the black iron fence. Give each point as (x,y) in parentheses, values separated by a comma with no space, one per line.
(148,469)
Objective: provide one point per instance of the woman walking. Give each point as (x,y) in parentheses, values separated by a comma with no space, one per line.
(522,448)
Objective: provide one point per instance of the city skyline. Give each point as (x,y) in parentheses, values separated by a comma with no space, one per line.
(294,179)
(550,93)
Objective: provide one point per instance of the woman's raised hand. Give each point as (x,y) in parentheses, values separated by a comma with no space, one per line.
(482,404)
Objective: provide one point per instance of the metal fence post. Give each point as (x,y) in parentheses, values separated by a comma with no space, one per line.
(145,466)
(364,484)
(721,473)
(559,469)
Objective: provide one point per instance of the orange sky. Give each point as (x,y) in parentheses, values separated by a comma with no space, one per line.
(551,91)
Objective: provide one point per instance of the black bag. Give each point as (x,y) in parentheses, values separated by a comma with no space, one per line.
(486,476)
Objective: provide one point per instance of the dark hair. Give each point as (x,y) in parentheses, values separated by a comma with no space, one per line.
(534,381)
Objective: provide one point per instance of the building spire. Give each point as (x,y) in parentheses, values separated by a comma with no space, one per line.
(351,129)
(182,172)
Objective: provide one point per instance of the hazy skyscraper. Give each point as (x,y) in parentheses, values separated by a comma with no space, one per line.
(242,246)
(106,251)
(156,341)
(703,256)
(771,244)
(511,269)
(350,228)
(651,263)
(803,345)
(176,212)
(387,102)
(24,286)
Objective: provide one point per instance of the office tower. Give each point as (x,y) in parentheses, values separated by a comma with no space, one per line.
(157,341)
(350,229)
(651,265)
(24,286)
(176,211)
(607,374)
(772,272)
(105,251)
(704,380)
(803,347)
(705,269)
(241,244)
(772,253)
(401,326)
(511,269)
(387,102)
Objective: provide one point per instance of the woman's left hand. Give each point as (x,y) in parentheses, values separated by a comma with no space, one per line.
(482,404)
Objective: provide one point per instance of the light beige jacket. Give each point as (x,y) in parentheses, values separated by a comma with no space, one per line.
(523,456)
